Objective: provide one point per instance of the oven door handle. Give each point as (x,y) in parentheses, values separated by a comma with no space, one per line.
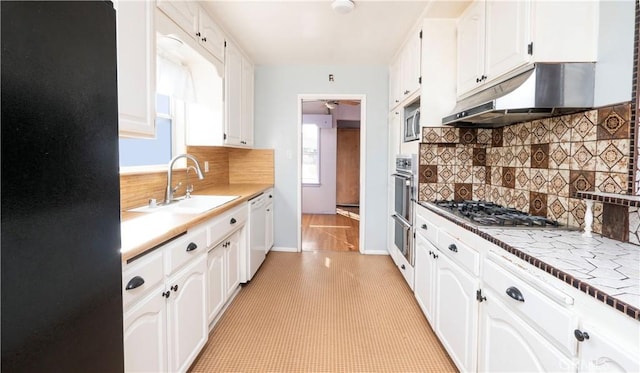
(403,176)
(401,221)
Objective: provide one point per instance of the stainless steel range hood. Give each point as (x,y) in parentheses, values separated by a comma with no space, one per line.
(543,91)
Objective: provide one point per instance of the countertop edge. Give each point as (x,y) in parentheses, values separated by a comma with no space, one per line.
(584,287)
(184,222)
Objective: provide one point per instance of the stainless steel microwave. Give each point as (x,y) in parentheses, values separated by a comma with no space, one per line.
(412,126)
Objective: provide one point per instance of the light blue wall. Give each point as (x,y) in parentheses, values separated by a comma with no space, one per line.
(276,120)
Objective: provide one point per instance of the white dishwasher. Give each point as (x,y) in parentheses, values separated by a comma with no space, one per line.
(257,242)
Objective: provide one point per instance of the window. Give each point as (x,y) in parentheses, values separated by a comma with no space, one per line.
(310,154)
(169,140)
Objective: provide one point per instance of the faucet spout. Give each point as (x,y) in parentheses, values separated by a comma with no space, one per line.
(169,192)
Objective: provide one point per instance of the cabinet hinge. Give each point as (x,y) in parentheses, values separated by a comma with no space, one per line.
(224,136)
(530,49)
(419,80)
(479,297)
(225,43)
(420,34)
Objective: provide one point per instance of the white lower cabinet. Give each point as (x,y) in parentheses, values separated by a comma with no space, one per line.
(232,262)
(187,315)
(424,277)
(599,353)
(456,311)
(216,290)
(509,344)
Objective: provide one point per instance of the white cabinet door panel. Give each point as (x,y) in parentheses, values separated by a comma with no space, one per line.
(424,281)
(183,13)
(233,94)
(216,287)
(232,263)
(211,37)
(471,47)
(599,353)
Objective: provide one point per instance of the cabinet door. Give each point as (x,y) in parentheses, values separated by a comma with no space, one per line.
(395,83)
(508,344)
(211,37)
(600,354)
(216,287)
(145,332)
(136,68)
(233,94)
(269,227)
(457,313)
(411,65)
(232,263)
(471,47)
(187,315)
(508,33)
(246,115)
(183,13)
(423,286)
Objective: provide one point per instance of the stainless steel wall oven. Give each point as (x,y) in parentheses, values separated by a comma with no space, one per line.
(405,181)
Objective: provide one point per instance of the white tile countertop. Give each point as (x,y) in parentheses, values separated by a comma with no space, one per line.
(609,266)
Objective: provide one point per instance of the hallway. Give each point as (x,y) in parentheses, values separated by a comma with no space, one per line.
(335,232)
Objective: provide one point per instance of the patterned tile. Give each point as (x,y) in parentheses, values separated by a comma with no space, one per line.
(463,174)
(484,136)
(479,157)
(450,135)
(611,182)
(494,156)
(468,135)
(521,199)
(523,178)
(539,180)
(496,137)
(540,156)
(522,156)
(507,197)
(538,204)
(431,134)
(463,191)
(539,132)
(447,155)
(496,176)
(508,177)
(613,155)
(428,154)
(584,128)
(576,212)
(508,158)
(583,155)
(428,174)
(558,209)
(559,130)
(558,182)
(464,155)
(487,179)
(479,192)
(496,195)
(614,122)
(479,175)
(634,225)
(509,136)
(559,156)
(582,181)
(428,192)
(598,212)
(523,132)
(445,174)
(445,192)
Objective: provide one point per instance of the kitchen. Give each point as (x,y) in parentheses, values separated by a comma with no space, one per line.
(274,142)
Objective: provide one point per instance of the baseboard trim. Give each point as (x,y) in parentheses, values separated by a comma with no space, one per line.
(285,249)
(375,252)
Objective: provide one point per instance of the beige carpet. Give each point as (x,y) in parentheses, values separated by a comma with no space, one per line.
(324,312)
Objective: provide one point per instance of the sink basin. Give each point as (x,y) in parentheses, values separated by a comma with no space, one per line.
(194,205)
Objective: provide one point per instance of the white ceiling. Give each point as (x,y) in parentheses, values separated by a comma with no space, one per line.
(310,32)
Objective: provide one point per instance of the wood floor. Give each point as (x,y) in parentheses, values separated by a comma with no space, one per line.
(324,311)
(330,232)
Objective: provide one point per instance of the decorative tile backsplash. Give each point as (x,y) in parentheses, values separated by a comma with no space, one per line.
(536,166)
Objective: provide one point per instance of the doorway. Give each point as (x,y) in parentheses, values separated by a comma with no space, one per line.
(331,135)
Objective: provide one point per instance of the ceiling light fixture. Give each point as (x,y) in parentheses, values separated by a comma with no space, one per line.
(342,6)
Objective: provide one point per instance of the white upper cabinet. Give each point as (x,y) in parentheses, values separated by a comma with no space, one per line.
(496,39)
(136,68)
(404,71)
(195,21)
(247,102)
(238,98)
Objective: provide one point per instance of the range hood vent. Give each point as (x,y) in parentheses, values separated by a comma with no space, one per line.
(544,90)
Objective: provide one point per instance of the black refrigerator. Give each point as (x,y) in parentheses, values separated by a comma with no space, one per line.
(60,213)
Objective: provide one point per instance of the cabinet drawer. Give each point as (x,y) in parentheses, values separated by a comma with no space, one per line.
(226,223)
(460,253)
(185,248)
(141,276)
(426,229)
(541,311)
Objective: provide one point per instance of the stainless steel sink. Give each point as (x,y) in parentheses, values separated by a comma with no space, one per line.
(197,204)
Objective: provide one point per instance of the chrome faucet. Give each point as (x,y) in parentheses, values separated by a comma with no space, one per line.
(170,190)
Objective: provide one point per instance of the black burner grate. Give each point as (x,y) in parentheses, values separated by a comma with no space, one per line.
(489,213)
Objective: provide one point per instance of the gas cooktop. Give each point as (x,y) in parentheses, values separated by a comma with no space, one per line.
(485,213)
